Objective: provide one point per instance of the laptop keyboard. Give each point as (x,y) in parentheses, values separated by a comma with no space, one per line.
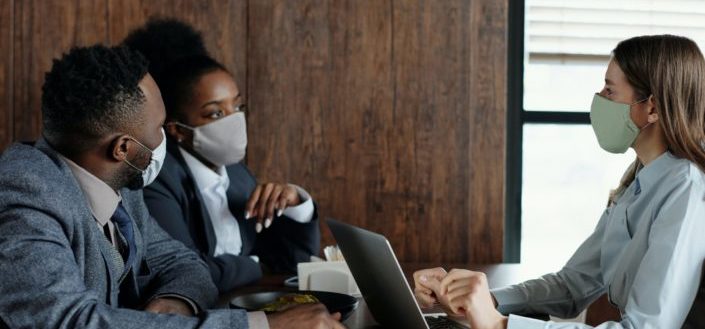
(442,322)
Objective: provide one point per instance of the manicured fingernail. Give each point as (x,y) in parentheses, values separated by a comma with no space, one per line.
(280,212)
(258,227)
(423,278)
(267,223)
(247,215)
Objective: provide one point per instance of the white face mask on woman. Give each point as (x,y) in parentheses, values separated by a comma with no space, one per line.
(222,142)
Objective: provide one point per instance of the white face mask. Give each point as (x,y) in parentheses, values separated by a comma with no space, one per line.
(222,142)
(150,173)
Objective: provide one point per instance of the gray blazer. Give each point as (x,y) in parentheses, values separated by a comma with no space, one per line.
(58,270)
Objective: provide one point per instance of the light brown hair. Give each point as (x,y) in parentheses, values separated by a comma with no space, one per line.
(672,70)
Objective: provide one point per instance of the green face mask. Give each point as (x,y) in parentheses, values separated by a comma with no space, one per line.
(613,126)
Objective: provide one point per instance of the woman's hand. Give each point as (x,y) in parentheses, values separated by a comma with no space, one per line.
(427,285)
(269,201)
(467,292)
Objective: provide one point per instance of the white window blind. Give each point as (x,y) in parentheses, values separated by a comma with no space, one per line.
(594,27)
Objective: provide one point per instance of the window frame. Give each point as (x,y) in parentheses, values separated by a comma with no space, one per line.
(517,116)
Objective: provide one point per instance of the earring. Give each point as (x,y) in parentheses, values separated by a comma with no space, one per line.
(180,140)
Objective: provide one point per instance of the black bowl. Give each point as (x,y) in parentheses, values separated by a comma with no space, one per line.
(334,302)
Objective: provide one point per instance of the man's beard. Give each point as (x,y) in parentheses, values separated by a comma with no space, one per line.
(132,178)
(134,181)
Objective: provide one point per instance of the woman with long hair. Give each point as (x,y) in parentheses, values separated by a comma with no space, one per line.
(647,250)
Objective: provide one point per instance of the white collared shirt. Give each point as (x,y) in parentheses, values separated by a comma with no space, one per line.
(101,198)
(213,186)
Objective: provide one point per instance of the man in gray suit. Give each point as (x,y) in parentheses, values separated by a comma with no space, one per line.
(78,248)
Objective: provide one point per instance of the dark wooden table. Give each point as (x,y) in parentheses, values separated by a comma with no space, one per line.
(499,275)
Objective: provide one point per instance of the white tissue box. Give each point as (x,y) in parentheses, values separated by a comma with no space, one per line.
(327,276)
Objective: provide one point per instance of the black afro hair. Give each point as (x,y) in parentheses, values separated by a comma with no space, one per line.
(163,41)
(91,92)
(177,57)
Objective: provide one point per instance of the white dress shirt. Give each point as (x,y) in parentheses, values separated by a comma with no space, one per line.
(102,199)
(213,186)
(646,253)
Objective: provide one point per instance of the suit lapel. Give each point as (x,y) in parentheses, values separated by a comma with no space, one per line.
(113,259)
(237,194)
(246,226)
(206,224)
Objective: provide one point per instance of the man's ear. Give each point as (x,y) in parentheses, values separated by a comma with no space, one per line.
(651,107)
(120,147)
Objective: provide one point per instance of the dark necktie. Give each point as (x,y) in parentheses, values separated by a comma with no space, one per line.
(124,223)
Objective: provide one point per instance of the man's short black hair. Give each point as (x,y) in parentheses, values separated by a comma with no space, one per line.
(91,92)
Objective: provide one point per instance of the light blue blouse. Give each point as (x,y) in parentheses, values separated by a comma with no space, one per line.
(646,253)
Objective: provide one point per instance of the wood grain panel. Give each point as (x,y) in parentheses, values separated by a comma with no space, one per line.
(321,93)
(6,82)
(222,23)
(373,106)
(43,30)
(391,112)
(488,90)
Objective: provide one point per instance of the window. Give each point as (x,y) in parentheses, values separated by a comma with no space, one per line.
(558,177)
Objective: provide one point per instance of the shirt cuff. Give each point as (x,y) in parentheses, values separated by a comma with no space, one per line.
(188,301)
(257,320)
(254,258)
(509,299)
(520,322)
(302,213)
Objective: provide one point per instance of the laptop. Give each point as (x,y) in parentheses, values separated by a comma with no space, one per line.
(381,280)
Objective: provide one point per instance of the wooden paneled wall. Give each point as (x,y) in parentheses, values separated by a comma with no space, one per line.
(390,112)
(40,30)
(6,83)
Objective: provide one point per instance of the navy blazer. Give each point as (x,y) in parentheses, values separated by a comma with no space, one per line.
(176,203)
